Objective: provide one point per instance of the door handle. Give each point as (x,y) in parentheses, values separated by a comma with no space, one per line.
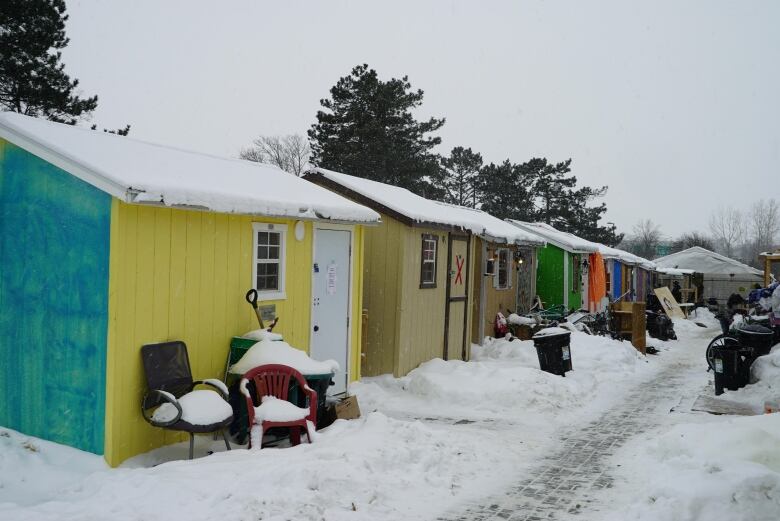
(316,328)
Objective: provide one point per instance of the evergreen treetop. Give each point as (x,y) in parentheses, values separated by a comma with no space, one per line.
(367,130)
(32,76)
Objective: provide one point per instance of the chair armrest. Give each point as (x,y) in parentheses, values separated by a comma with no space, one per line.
(250,405)
(312,404)
(166,397)
(219,385)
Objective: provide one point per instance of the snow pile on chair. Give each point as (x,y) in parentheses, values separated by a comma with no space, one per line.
(269,351)
(201,407)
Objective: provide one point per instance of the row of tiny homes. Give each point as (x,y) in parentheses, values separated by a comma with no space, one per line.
(109,243)
(435,274)
(580,274)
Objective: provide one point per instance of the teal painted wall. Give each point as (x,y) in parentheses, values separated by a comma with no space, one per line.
(549,275)
(54,253)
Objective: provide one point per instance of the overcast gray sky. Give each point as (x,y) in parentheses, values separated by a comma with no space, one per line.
(674,105)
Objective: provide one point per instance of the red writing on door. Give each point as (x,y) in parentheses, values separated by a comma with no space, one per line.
(459,261)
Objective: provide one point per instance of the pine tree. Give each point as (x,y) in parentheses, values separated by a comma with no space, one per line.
(367,130)
(503,193)
(32,77)
(461,170)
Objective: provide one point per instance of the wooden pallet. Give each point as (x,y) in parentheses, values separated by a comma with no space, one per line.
(713,405)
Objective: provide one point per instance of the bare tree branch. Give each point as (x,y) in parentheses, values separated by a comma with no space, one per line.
(727,225)
(290,153)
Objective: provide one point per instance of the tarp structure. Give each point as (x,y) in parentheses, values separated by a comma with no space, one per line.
(597,285)
(722,276)
(705,261)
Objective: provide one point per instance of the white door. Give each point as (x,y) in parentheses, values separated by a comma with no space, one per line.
(330,301)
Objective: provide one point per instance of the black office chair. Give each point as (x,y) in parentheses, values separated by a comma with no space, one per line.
(177,406)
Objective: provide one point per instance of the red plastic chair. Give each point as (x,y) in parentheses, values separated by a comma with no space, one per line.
(274,380)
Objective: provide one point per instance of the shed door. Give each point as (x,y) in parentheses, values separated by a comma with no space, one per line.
(526,281)
(330,302)
(457,298)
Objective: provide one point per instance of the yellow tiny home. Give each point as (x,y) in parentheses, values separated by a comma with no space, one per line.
(137,244)
(419,271)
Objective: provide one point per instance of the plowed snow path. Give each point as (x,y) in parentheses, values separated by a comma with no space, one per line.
(566,482)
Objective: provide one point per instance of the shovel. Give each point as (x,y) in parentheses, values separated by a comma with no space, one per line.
(251,297)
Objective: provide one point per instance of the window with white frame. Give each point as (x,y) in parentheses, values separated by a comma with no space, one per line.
(428,261)
(503,269)
(269,258)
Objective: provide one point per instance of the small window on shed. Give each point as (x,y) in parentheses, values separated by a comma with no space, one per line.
(269,257)
(430,245)
(503,276)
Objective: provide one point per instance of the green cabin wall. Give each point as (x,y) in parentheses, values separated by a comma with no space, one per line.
(54,258)
(549,275)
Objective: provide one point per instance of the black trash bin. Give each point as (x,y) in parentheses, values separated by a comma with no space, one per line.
(732,367)
(758,337)
(553,349)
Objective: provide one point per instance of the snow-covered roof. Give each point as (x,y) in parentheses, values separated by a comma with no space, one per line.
(140,172)
(676,272)
(413,207)
(563,240)
(572,243)
(705,261)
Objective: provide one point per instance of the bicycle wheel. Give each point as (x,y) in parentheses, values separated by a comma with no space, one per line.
(719,341)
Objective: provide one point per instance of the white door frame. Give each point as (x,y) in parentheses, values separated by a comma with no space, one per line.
(566,279)
(351,230)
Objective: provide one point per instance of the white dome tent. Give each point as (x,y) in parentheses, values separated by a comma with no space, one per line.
(722,275)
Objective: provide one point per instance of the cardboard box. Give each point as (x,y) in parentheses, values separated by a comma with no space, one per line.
(348,408)
(343,409)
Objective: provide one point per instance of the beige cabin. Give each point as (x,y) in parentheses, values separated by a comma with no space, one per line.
(505,281)
(416,278)
(423,274)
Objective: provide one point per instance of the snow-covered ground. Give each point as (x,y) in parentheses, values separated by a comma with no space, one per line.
(702,467)
(447,434)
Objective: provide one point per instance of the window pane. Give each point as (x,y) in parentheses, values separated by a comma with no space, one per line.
(428,273)
(273,252)
(272,283)
(262,252)
(271,269)
(260,283)
(262,238)
(273,238)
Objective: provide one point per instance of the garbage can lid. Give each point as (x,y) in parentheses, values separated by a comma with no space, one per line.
(755,329)
(552,331)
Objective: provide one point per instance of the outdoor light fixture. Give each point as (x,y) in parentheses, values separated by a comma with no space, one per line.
(490,267)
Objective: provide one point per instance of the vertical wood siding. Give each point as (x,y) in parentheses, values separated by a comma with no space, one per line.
(182,275)
(421,311)
(382,275)
(549,275)
(54,259)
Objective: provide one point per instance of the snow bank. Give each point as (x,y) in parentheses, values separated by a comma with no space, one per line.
(34,470)
(373,468)
(278,352)
(503,380)
(722,470)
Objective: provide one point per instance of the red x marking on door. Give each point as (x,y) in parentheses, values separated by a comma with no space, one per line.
(459,264)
